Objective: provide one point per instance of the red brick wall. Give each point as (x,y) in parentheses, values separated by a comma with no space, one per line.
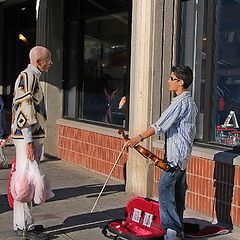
(213,187)
(91,150)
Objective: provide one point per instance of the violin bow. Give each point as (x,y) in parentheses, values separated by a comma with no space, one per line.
(120,154)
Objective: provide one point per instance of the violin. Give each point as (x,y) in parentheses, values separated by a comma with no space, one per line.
(161,163)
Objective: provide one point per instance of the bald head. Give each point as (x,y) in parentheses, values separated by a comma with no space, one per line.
(38,52)
(38,55)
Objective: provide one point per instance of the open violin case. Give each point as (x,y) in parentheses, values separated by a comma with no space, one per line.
(141,221)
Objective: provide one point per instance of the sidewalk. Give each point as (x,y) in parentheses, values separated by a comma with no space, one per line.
(67,215)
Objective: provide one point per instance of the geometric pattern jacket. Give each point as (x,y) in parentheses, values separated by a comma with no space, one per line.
(28,108)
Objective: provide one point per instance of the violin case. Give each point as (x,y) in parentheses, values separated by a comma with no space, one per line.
(141,221)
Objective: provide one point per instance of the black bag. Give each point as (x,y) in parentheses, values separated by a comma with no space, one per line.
(141,221)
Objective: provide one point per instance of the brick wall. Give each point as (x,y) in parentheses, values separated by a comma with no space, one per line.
(213,187)
(91,150)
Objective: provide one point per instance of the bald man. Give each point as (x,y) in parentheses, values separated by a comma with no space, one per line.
(28,132)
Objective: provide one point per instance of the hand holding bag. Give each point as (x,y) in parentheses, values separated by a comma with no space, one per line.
(22,188)
(29,183)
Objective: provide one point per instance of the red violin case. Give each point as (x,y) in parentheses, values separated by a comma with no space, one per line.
(141,221)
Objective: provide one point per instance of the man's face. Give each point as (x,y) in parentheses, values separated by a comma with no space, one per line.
(174,83)
(45,63)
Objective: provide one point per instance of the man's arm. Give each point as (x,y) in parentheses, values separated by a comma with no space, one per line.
(27,135)
(139,138)
(169,116)
(23,95)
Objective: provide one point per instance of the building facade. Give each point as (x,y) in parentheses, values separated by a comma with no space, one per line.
(112,60)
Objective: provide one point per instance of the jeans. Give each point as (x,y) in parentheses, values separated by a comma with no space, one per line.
(172,190)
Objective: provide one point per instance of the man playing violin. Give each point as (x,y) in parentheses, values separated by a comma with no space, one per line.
(178,124)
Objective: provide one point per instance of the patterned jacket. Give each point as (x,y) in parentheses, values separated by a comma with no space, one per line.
(28,110)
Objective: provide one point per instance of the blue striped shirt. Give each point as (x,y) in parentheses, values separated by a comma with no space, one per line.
(178,121)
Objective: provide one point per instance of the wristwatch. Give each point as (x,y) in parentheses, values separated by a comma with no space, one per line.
(141,137)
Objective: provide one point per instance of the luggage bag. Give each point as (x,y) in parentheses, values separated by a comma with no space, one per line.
(141,221)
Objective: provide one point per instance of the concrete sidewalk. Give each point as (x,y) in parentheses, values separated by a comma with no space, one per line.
(67,215)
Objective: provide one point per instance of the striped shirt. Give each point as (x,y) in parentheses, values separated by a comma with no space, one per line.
(178,122)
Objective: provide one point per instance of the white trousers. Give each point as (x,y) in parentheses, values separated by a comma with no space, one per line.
(22,215)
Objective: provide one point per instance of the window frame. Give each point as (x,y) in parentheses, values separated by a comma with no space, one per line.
(82,18)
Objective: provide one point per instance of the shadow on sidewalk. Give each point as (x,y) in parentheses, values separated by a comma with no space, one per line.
(85,221)
(66,193)
(93,189)
(4,207)
(224,175)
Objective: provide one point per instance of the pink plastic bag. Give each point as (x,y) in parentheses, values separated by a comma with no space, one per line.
(22,188)
(29,183)
(39,185)
(9,194)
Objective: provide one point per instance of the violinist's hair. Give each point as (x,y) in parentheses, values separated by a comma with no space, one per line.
(184,73)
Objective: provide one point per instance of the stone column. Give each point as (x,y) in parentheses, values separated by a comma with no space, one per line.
(152,55)
(138,168)
(50,34)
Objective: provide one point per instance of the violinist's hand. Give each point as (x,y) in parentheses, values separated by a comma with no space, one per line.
(133,141)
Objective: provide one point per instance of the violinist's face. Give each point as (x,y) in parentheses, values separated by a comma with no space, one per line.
(175,84)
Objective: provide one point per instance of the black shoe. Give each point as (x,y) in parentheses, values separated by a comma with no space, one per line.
(37,228)
(33,234)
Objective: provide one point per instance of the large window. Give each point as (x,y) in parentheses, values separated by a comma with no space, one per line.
(210,44)
(96,61)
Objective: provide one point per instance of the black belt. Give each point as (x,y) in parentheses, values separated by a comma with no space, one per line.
(173,169)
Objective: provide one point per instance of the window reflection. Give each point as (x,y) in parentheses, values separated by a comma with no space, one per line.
(225,74)
(193,51)
(105,63)
(226,112)
(100,63)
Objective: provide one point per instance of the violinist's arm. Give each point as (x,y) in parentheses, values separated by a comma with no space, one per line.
(140,137)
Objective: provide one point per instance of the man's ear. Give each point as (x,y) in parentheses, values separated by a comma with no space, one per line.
(39,61)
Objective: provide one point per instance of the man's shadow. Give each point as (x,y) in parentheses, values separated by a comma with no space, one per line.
(224,172)
(92,191)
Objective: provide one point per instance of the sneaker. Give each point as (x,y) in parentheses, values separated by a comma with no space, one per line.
(37,228)
(172,235)
(35,234)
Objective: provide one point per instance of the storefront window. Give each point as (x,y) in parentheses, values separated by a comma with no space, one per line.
(193,51)
(213,51)
(226,94)
(97,61)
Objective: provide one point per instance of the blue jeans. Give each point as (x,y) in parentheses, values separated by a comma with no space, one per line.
(172,190)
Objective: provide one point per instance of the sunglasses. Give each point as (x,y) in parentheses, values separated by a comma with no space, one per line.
(175,79)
